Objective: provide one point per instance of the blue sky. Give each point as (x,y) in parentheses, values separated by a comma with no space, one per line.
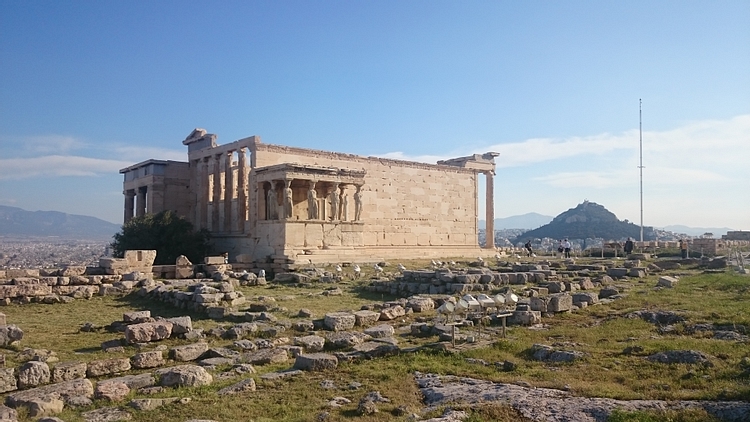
(89,87)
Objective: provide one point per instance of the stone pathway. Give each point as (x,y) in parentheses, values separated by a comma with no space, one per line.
(549,405)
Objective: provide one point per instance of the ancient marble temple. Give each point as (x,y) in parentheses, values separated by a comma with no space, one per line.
(284,205)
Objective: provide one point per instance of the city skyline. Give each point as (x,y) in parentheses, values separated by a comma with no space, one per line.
(90,88)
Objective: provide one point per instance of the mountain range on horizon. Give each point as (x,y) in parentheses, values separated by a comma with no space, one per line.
(532,220)
(21,223)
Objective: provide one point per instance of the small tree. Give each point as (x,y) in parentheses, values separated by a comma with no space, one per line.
(167,233)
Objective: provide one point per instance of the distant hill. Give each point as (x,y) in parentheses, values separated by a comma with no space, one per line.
(529,221)
(18,222)
(698,231)
(589,220)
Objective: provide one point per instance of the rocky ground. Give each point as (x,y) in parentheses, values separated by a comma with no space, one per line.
(549,405)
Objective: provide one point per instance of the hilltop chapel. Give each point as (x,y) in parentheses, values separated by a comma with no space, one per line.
(285,205)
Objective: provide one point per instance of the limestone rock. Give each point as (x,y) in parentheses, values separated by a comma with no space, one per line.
(316,362)
(112,391)
(7,414)
(181,324)
(266,356)
(586,284)
(184,376)
(667,281)
(525,317)
(346,339)
(365,318)
(45,405)
(680,356)
(243,330)
(66,389)
(9,334)
(339,321)
(98,368)
(134,382)
(608,292)
(32,374)
(66,371)
(560,302)
(589,298)
(420,304)
(376,349)
(311,343)
(148,331)
(137,317)
(151,359)
(8,381)
(188,352)
(380,331)
(391,313)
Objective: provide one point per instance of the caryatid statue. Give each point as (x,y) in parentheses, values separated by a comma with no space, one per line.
(312,202)
(288,199)
(334,198)
(271,204)
(358,203)
(344,199)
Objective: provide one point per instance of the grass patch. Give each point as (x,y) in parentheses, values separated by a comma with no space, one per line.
(614,347)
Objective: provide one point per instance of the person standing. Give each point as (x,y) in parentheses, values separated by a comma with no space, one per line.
(566,248)
(528,247)
(628,246)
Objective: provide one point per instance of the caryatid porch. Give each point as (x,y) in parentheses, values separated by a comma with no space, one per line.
(311,207)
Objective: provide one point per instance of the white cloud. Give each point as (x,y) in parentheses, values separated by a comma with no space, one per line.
(53,143)
(57,165)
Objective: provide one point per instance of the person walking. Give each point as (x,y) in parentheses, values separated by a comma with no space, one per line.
(684,248)
(528,248)
(566,248)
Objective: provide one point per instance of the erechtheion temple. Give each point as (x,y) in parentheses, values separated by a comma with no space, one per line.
(271,203)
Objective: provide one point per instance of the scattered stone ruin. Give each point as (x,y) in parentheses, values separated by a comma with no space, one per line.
(254,335)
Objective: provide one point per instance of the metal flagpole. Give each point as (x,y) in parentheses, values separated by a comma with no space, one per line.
(640,166)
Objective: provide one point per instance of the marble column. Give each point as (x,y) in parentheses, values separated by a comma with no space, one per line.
(129,205)
(140,206)
(242,189)
(490,210)
(203,195)
(228,191)
(196,185)
(215,213)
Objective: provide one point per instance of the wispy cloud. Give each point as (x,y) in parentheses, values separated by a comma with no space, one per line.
(60,155)
(52,144)
(722,139)
(57,165)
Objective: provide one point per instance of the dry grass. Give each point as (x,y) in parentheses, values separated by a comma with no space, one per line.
(601,332)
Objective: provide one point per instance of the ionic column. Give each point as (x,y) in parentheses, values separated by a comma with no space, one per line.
(215,219)
(490,210)
(129,205)
(196,186)
(203,195)
(140,206)
(242,189)
(228,191)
